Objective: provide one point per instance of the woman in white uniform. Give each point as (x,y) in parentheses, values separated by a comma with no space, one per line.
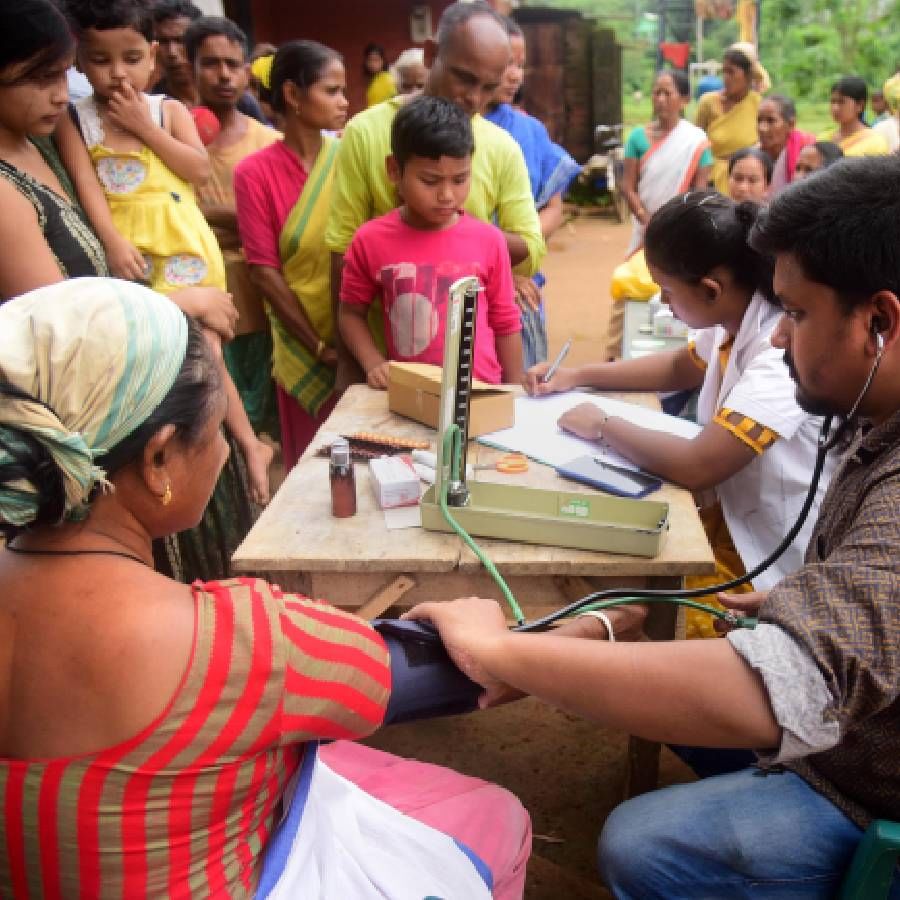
(750,465)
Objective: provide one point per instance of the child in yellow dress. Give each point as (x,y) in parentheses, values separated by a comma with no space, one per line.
(148,157)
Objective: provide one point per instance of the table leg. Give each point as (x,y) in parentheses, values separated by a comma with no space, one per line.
(664,623)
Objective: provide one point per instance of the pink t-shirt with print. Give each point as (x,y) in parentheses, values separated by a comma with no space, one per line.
(412,270)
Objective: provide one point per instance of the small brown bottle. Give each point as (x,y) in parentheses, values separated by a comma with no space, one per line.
(343,480)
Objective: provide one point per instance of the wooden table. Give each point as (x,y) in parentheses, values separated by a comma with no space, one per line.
(358,564)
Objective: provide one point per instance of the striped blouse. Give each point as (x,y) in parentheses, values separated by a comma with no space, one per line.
(184,808)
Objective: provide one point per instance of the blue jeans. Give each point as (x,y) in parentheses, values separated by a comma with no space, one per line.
(747,834)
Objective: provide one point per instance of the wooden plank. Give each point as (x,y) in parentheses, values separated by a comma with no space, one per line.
(386,597)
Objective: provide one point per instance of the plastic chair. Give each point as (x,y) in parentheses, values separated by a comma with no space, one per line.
(874,863)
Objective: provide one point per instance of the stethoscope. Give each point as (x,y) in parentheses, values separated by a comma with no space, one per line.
(620,596)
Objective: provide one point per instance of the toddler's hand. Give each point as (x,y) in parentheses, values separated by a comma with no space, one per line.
(377,376)
(125,260)
(129,111)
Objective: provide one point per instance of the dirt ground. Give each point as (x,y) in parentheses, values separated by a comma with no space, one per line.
(567,772)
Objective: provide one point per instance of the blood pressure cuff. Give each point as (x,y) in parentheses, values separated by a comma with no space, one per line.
(425,682)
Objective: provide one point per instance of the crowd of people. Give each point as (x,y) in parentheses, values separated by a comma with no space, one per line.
(203,247)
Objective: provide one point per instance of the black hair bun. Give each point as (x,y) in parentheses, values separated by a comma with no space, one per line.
(31,461)
(747,213)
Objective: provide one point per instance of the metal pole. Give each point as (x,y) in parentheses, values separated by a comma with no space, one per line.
(699,39)
(661,33)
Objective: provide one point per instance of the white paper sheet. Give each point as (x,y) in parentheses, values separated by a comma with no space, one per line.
(537,435)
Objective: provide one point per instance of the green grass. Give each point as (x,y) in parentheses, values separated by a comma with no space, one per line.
(811,116)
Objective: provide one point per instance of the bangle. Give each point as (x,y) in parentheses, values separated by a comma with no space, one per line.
(606,418)
(320,349)
(604,618)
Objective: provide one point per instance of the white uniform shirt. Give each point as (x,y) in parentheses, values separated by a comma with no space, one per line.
(762,501)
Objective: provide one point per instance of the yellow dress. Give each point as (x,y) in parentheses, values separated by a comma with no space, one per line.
(154,209)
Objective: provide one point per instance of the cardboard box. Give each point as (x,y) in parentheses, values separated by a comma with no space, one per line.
(414,391)
(395,481)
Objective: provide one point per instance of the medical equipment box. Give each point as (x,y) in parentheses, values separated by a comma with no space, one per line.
(414,391)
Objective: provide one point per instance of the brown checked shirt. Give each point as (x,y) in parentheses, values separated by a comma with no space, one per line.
(841,613)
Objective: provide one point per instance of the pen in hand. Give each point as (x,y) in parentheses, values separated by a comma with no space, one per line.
(554,366)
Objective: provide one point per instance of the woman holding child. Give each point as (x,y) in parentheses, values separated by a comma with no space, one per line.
(282,195)
(54,239)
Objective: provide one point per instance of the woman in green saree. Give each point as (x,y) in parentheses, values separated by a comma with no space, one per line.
(282,196)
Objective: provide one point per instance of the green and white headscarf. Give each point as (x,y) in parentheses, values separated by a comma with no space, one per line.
(96,356)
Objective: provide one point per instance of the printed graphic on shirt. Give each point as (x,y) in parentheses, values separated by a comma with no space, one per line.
(415,302)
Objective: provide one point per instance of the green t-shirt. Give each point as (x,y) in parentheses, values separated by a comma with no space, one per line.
(500,190)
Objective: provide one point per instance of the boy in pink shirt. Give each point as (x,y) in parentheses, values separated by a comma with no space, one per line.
(410,257)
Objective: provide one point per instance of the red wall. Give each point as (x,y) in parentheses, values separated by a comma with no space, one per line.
(346,25)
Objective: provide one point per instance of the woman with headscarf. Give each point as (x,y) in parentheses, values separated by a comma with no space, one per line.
(759,77)
(729,116)
(170,731)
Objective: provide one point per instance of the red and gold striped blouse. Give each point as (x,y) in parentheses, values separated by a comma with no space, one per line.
(184,808)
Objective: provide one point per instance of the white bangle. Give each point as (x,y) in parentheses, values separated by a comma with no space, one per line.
(604,618)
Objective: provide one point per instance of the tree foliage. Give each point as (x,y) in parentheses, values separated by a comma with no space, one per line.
(804,44)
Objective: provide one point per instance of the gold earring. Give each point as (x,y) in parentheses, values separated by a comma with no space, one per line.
(166,498)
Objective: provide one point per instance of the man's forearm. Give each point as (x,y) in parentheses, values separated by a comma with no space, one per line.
(684,692)
(518,249)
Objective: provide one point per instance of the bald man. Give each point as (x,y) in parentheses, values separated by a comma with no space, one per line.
(466,63)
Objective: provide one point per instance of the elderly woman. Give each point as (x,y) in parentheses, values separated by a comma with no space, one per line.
(729,116)
(779,137)
(162,725)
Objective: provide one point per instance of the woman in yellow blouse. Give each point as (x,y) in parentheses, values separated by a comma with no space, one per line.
(729,116)
(848,106)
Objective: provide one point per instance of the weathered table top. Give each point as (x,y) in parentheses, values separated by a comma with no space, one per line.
(297,532)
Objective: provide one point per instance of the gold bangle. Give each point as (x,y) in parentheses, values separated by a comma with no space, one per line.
(320,349)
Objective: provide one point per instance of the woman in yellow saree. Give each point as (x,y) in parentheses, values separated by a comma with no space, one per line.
(282,196)
(848,105)
(729,116)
